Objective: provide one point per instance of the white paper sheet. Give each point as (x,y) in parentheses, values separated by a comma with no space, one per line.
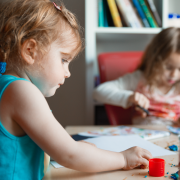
(55,164)
(121,143)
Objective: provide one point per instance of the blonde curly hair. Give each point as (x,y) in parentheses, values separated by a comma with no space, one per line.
(34,19)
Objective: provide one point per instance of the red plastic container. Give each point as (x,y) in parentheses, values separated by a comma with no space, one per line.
(156,167)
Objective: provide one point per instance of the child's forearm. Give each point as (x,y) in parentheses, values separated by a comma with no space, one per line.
(88,158)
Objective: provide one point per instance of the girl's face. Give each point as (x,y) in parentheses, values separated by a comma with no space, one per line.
(171,70)
(54,70)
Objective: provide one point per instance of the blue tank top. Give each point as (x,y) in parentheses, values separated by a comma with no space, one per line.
(20,157)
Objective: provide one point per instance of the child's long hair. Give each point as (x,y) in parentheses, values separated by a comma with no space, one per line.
(34,19)
(157,52)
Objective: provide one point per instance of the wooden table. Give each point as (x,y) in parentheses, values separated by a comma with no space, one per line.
(135,174)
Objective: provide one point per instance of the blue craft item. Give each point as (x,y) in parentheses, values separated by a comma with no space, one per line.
(175,176)
(173,148)
(2,67)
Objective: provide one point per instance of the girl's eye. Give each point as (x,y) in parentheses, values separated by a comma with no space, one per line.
(64,61)
(169,68)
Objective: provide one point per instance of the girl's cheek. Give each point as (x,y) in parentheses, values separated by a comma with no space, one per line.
(167,73)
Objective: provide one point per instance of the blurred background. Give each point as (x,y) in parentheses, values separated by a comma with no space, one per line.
(73,103)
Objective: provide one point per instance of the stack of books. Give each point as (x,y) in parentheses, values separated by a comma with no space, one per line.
(128,13)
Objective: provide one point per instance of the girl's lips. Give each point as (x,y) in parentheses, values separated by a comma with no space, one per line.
(171,81)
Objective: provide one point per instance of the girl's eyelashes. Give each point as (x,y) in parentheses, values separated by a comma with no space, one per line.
(169,68)
(65,61)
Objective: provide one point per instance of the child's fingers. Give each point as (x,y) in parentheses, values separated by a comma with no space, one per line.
(141,112)
(144,162)
(146,154)
(144,102)
(147,104)
(141,100)
(136,98)
(143,167)
(138,109)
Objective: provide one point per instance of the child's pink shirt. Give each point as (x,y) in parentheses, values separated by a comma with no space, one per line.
(166,106)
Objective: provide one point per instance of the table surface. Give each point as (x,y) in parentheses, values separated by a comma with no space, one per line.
(135,174)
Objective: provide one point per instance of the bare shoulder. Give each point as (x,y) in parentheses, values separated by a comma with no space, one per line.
(22,98)
(22,89)
(15,102)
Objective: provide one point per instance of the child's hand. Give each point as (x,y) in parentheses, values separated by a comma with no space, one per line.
(136,156)
(141,100)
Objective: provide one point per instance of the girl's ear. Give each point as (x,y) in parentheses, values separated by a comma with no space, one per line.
(29,50)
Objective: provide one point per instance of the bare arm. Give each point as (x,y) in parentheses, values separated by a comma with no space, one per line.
(29,109)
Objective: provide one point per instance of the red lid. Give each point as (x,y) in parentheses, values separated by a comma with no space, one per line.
(156,167)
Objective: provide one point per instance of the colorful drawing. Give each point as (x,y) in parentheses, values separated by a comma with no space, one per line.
(125,130)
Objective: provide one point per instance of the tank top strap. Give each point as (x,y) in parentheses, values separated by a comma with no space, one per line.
(6,80)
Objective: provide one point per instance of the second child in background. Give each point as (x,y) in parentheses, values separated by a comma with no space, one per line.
(155,85)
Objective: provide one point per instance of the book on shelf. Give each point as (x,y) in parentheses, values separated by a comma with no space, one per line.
(147,13)
(105,16)
(129,13)
(141,13)
(101,13)
(154,11)
(114,13)
(108,16)
(123,20)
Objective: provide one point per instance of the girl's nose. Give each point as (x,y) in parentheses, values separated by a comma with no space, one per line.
(67,74)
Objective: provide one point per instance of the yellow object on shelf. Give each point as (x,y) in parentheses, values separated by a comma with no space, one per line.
(114,13)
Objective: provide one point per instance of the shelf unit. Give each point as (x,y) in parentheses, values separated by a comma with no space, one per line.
(111,39)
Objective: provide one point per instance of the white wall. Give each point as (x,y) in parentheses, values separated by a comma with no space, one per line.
(68,104)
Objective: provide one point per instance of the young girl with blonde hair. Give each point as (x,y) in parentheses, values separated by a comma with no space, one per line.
(153,86)
(38,40)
